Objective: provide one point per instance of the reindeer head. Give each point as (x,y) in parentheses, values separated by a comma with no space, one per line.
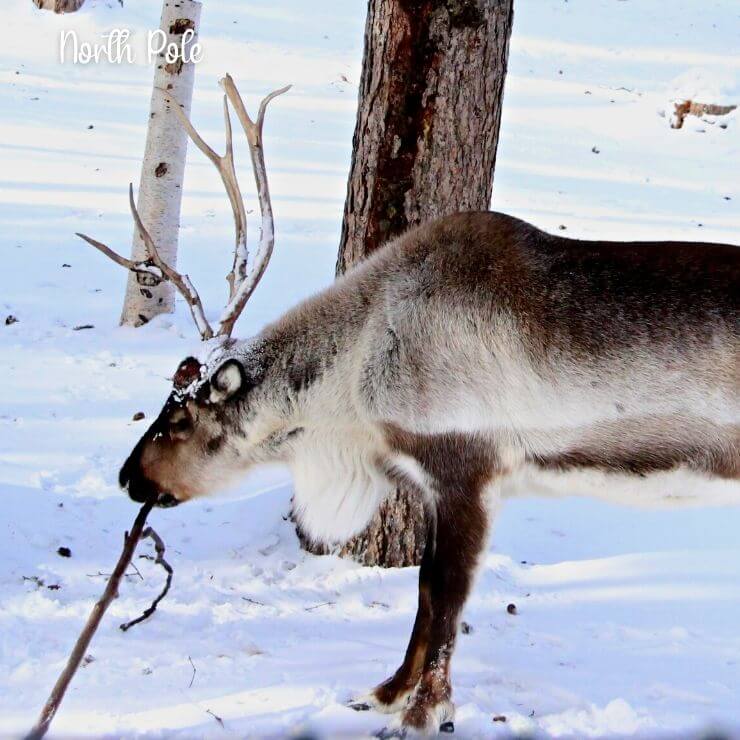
(217,422)
(201,439)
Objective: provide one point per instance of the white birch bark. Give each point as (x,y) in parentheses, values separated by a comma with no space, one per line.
(160,187)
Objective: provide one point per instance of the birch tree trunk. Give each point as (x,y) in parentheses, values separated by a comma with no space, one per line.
(160,186)
(424,146)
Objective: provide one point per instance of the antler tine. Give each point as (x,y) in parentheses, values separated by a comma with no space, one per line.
(181,282)
(226,169)
(242,281)
(253,131)
(140,267)
(241,250)
(264,103)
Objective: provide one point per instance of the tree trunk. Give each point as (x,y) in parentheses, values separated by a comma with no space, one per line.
(160,186)
(424,146)
(59,6)
(428,119)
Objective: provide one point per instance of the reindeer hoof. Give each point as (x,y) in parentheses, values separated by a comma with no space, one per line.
(371,700)
(447,727)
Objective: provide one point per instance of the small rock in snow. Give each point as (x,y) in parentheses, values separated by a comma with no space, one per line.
(499,718)
(511,609)
(10,320)
(138,416)
(64,552)
(466,628)
(595,150)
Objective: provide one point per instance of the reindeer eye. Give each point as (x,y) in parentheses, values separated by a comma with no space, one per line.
(181,425)
(180,422)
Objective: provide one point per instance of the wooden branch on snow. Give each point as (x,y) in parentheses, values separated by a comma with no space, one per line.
(130,541)
(692,108)
(159,548)
(243,278)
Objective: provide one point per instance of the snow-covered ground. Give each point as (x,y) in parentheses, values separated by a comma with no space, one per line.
(627,620)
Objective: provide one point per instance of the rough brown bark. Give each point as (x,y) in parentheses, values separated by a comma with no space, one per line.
(428,118)
(394,538)
(424,146)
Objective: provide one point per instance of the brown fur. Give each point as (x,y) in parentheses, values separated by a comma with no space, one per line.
(459,467)
(456,355)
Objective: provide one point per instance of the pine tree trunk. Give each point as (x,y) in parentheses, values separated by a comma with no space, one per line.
(428,119)
(160,187)
(424,146)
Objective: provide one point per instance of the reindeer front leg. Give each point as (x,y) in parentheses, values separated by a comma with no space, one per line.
(392,694)
(460,536)
(458,470)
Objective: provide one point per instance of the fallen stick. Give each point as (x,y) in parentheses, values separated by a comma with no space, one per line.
(130,541)
(159,548)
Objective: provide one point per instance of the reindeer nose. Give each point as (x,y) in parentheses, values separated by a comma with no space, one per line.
(132,480)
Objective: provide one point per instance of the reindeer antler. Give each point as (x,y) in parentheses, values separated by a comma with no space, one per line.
(225,166)
(253,131)
(243,278)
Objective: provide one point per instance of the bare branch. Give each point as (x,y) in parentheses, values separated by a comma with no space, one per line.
(262,256)
(159,548)
(130,541)
(181,282)
(216,717)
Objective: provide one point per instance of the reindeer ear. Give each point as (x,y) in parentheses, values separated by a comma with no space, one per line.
(226,381)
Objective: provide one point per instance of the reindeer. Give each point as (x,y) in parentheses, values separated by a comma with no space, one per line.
(467,353)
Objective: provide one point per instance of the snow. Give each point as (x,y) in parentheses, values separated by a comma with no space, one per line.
(718,87)
(626,620)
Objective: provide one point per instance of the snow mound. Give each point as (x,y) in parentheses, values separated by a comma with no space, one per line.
(706,86)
